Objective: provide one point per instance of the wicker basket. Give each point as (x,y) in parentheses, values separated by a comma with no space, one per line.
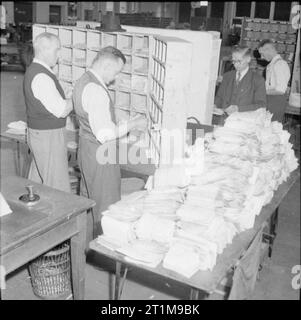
(50,273)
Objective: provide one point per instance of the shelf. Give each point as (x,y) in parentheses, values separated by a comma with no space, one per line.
(123,81)
(79,57)
(79,39)
(90,57)
(96,49)
(94,40)
(66,56)
(156,101)
(141,53)
(122,113)
(139,83)
(65,72)
(158,60)
(66,62)
(109,39)
(77,72)
(128,64)
(138,43)
(158,73)
(125,43)
(65,36)
(160,50)
(139,102)
(122,99)
(52,30)
(140,65)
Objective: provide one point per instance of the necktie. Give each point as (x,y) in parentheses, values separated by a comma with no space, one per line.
(238,77)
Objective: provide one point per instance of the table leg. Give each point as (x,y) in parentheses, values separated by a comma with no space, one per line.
(78,258)
(273,230)
(26,164)
(18,159)
(194,294)
(117,280)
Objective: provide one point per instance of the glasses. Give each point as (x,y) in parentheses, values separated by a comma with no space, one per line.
(237,61)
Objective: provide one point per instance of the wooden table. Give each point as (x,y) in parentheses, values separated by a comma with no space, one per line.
(29,232)
(20,139)
(293,110)
(207,281)
(128,170)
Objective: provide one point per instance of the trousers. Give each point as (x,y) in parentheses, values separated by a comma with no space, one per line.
(50,160)
(100,182)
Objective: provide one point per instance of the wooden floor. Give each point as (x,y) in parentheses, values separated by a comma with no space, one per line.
(275,278)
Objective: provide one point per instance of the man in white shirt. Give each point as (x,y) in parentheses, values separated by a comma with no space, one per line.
(46,110)
(277,77)
(99,132)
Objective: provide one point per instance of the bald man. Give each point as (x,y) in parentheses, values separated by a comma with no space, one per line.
(46,110)
(99,132)
(277,77)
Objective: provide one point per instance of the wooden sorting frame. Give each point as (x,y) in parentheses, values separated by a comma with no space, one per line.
(281,32)
(145,85)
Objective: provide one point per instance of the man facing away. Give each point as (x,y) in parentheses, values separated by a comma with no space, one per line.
(241,89)
(99,132)
(277,77)
(46,110)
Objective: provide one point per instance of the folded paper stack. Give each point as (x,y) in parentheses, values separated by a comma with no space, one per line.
(191,212)
(17,127)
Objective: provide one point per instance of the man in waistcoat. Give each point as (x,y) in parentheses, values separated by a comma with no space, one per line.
(46,110)
(99,131)
(277,77)
(241,89)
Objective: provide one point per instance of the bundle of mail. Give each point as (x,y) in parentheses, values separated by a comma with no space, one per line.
(191,212)
(17,127)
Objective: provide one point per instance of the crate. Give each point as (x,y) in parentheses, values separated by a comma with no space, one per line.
(50,273)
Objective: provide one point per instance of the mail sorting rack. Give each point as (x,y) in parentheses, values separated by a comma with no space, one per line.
(79,47)
(140,87)
(281,32)
(167,110)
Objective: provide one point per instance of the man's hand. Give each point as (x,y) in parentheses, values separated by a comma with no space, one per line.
(231,109)
(218,111)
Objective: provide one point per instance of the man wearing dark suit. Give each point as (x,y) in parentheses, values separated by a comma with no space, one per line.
(241,89)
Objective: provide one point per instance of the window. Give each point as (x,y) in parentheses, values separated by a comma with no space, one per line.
(243,9)
(123,7)
(217,9)
(282,11)
(200,12)
(55,14)
(88,15)
(262,10)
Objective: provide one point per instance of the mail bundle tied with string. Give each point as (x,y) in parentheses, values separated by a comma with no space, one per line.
(191,212)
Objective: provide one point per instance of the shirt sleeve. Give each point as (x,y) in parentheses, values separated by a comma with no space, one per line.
(97,104)
(281,76)
(44,89)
